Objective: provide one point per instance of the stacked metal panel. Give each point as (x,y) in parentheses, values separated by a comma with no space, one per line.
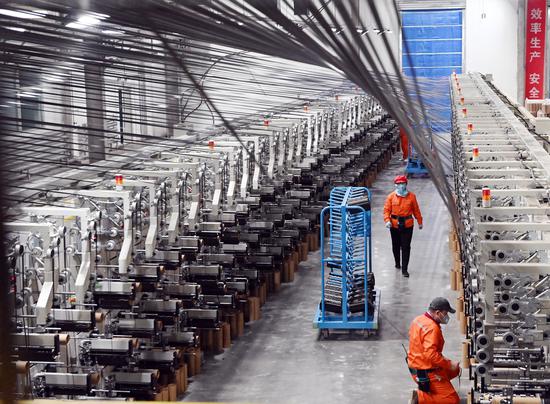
(501,180)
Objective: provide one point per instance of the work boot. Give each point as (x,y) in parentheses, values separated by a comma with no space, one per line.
(405,272)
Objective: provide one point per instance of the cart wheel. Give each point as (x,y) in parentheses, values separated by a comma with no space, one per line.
(323,334)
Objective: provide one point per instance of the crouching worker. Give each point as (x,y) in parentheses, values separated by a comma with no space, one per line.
(429,368)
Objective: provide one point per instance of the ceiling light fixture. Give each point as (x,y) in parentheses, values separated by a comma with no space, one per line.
(18,29)
(53,79)
(113,32)
(87,20)
(21,14)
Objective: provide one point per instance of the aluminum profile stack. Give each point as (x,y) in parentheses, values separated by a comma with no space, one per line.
(501,184)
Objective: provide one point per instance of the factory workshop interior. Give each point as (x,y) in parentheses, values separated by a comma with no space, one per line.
(275,201)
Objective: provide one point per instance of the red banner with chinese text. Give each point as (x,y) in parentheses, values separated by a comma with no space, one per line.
(535,38)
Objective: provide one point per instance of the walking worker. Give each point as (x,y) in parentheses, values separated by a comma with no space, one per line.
(429,368)
(399,209)
(404,143)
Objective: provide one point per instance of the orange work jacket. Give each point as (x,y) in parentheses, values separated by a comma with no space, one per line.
(425,352)
(404,143)
(426,345)
(402,206)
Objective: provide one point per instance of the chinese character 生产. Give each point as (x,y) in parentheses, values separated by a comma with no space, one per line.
(535,43)
(534,55)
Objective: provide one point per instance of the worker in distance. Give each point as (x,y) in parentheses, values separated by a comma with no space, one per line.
(400,208)
(431,371)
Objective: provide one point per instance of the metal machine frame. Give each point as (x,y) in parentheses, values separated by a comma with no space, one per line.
(121,280)
(501,184)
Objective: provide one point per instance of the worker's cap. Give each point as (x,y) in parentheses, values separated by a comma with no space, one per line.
(400,179)
(440,303)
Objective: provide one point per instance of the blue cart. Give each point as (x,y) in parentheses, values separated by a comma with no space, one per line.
(415,166)
(348,298)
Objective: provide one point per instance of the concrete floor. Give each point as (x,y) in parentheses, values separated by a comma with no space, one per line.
(279,360)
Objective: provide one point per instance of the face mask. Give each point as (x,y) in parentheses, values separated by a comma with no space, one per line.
(401,189)
(445,319)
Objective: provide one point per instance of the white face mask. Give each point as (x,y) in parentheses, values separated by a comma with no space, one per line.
(401,189)
(445,319)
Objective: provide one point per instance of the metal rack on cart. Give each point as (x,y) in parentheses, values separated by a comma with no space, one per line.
(348,298)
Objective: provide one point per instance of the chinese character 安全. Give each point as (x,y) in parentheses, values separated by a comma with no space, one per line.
(534,78)
(534,93)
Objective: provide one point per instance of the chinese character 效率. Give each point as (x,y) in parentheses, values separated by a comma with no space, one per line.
(536,28)
(536,14)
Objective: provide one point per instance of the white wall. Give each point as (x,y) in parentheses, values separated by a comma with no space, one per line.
(491,43)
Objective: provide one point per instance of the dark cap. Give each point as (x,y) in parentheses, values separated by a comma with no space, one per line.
(440,303)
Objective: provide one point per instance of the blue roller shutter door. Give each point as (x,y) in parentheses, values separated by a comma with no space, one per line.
(432,47)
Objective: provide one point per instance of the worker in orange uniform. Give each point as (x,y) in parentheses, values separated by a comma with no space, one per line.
(404,143)
(429,368)
(399,209)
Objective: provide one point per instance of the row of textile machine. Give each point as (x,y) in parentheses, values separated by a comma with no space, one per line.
(501,183)
(122,288)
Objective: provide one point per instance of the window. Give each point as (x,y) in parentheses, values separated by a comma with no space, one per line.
(30,99)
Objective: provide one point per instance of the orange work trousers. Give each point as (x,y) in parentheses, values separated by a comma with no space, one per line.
(441,389)
(404,144)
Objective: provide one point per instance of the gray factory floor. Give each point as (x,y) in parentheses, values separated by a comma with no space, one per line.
(279,360)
